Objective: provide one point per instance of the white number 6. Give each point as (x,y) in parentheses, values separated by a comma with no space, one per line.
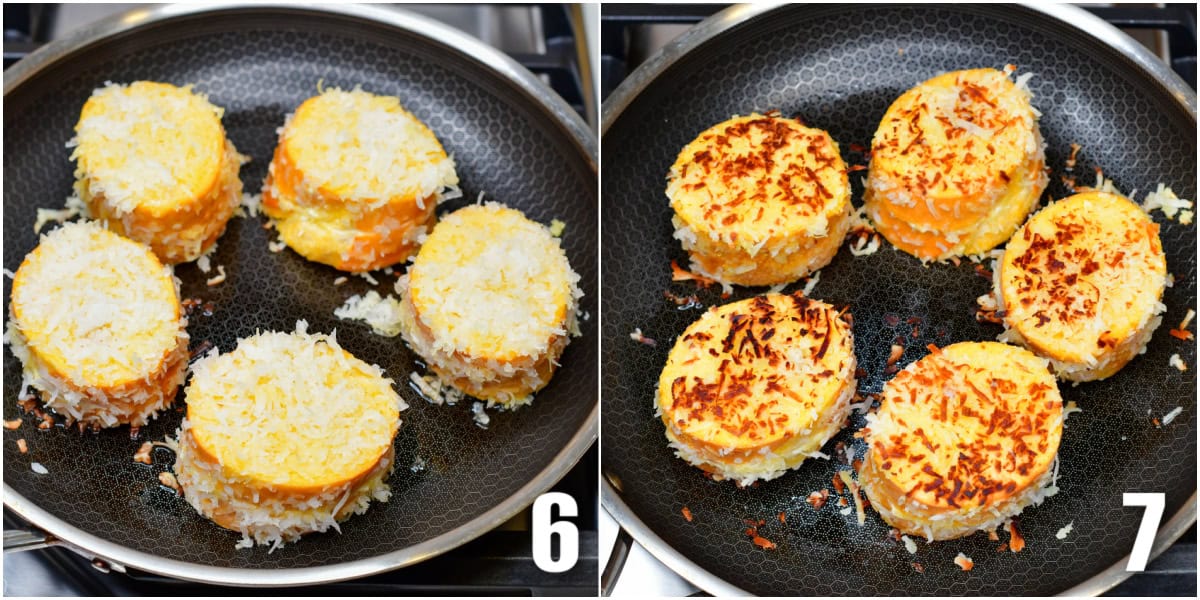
(544,529)
(1154,504)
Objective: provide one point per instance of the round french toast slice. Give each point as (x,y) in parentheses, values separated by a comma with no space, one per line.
(760,200)
(97,324)
(490,303)
(957,164)
(153,163)
(964,439)
(1081,284)
(285,435)
(753,388)
(355,180)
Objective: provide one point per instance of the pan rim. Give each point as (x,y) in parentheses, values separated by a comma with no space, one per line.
(411,23)
(719,23)
(727,19)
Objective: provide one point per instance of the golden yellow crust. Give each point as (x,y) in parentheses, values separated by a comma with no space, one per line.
(355,180)
(1081,283)
(956,165)
(752,388)
(760,200)
(965,434)
(154,164)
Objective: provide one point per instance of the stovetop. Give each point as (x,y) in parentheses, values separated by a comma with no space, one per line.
(539,36)
(632,33)
(499,563)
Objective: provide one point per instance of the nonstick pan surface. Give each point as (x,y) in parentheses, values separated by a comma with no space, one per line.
(839,68)
(510,137)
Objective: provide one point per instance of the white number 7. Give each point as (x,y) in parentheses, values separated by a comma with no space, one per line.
(544,529)
(1154,504)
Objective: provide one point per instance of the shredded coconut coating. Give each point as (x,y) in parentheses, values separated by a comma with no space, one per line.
(963,439)
(1081,284)
(355,180)
(753,388)
(760,200)
(154,164)
(490,302)
(97,325)
(285,435)
(956,165)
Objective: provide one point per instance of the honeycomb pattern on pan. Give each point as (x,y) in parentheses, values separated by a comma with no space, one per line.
(514,153)
(839,68)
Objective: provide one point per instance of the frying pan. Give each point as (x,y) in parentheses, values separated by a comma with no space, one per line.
(511,137)
(839,68)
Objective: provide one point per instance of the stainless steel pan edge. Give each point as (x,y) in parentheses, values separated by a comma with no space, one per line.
(584,138)
(734,16)
(610,498)
(411,22)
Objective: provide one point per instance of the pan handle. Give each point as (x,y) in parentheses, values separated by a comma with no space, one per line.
(616,562)
(19,540)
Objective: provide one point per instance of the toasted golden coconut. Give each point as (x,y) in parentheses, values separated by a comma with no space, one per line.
(760,200)
(963,440)
(956,165)
(753,388)
(1081,284)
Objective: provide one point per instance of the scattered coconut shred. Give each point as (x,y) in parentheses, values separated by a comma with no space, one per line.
(1070,408)
(864,240)
(73,207)
(480,415)
(1175,412)
(1164,199)
(1062,533)
(204,263)
(431,388)
(382,313)
(1104,184)
(858,503)
(168,479)
(143,454)
(909,544)
(218,279)
(964,562)
(811,283)
(641,339)
(1177,362)
(1187,320)
(249,206)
